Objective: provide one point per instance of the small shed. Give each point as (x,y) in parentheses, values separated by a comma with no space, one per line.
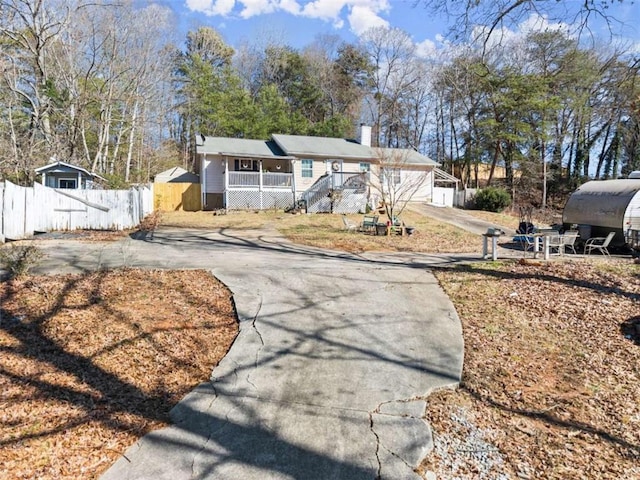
(176,175)
(64,175)
(602,206)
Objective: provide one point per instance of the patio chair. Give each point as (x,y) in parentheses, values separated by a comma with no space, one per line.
(598,243)
(397,225)
(349,226)
(555,243)
(527,242)
(369,223)
(569,240)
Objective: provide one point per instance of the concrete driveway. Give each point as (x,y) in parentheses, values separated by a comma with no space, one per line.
(328,376)
(458,218)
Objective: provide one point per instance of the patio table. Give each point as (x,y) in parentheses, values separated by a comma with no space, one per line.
(494,245)
(545,236)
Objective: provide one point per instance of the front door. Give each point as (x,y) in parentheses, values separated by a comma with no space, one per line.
(336,167)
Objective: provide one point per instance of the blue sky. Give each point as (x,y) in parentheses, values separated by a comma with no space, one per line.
(298,22)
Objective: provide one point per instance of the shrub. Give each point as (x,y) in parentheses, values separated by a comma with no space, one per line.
(18,259)
(492,199)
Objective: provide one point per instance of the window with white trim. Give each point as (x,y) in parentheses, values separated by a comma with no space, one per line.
(391,176)
(67,183)
(365,167)
(245,165)
(306,168)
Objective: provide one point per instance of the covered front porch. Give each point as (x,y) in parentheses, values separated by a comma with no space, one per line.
(258,184)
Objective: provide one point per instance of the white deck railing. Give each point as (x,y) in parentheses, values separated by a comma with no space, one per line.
(276,180)
(252,179)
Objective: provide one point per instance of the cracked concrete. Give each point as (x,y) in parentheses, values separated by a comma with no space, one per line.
(326,376)
(400,454)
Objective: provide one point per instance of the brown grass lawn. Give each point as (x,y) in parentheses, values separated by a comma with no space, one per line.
(551,382)
(327,231)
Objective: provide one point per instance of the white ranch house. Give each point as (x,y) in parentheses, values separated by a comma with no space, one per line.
(239,174)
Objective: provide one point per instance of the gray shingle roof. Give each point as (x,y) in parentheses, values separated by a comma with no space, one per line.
(240,147)
(60,166)
(300,146)
(404,156)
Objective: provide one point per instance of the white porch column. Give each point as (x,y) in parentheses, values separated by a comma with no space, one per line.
(292,164)
(225,165)
(225,195)
(203,182)
(44,179)
(79,180)
(260,182)
(433,182)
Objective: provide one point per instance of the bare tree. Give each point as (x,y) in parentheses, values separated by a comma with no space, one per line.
(497,15)
(395,181)
(392,56)
(28,31)
(82,81)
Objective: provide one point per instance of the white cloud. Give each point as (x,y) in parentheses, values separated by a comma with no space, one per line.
(362,18)
(361,14)
(426,49)
(324,9)
(211,8)
(501,37)
(253,8)
(538,23)
(290,6)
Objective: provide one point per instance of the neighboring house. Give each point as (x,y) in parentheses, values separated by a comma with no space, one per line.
(176,175)
(326,174)
(64,175)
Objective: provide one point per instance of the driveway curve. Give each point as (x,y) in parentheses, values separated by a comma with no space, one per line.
(328,376)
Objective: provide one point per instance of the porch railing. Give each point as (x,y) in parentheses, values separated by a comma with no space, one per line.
(252,179)
(320,189)
(276,179)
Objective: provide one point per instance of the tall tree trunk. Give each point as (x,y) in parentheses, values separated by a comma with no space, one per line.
(134,117)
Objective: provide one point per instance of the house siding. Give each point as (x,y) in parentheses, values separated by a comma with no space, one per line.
(423,194)
(320,168)
(303,183)
(321,152)
(425,191)
(214,175)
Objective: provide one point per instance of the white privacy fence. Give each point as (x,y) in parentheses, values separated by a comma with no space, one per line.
(26,210)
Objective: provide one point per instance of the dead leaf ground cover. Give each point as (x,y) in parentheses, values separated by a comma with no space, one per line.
(89,363)
(551,381)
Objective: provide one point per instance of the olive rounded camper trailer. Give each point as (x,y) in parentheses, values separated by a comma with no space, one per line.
(603,206)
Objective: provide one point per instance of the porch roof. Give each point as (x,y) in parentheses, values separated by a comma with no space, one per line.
(242,147)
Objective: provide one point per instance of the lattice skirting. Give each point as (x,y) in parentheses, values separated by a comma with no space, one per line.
(350,202)
(321,206)
(254,200)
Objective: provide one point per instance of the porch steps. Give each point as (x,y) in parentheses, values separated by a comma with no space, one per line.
(325,196)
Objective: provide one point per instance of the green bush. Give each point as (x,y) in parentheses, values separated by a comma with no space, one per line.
(17,260)
(492,199)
